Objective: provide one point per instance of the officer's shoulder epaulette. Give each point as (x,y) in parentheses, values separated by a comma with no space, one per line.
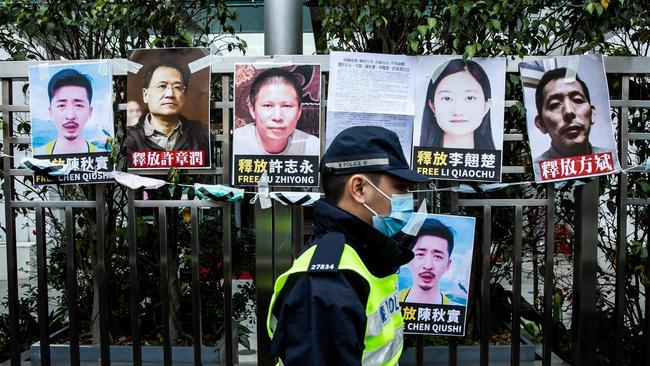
(327,254)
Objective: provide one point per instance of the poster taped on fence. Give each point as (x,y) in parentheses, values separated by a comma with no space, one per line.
(71,108)
(168,109)
(458,132)
(568,118)
(371,89)
(434,287)
(277,124)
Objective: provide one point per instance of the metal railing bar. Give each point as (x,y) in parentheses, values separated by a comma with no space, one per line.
(179,203)
(164,284)
(485,286)
(516,288)
(226,64)
(549,286)
(133,279)
(15,108)
(638,201)
(71,283)
(53,204)
(630,103)
(532,202)
(41,270)
(101,270)
(638,136)
(12,262)
(225,123)
(513,137)
(20,140)
(227,275)
(507,169)
(197,334)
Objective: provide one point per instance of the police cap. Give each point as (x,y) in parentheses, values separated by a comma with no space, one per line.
(368,149)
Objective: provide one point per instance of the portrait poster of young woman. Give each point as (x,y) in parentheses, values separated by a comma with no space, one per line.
(458,133)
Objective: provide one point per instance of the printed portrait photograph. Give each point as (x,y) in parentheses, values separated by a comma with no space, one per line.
(568,113)
(277,110)
(440,270)
(168,108)
(71,107)
(459,103)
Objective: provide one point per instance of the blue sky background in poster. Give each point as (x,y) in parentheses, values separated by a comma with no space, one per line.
(98,127)
(455,282)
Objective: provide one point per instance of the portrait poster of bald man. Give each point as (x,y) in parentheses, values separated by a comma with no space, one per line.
(71,107)
(277,124)
(569,118)
(168,108)
(434,285)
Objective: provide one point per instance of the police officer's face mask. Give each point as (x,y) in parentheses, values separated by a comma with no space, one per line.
(401,209)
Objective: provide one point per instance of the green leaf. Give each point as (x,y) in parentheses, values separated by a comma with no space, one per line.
(414,45)
(422,29)
(470,50)
(187,37)
(645,186)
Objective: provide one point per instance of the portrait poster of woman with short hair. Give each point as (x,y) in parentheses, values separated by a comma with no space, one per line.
(277,124)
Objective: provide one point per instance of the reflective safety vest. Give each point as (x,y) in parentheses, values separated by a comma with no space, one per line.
(384,335)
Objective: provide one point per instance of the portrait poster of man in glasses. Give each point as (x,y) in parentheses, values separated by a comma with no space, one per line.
(172,88)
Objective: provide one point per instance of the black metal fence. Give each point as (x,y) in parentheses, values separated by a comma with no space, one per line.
(279,234)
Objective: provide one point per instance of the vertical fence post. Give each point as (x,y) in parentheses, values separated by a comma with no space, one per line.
(485,285)
(133,278)
(585,265)
(621,223)
(164,286)
(516,288)
(104,307)
(227,275)
(549,285)
(263,279)
(197,335)
(71,283)
(12,263)
(41,264)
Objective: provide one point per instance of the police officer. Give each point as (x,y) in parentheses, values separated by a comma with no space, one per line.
(338,304)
